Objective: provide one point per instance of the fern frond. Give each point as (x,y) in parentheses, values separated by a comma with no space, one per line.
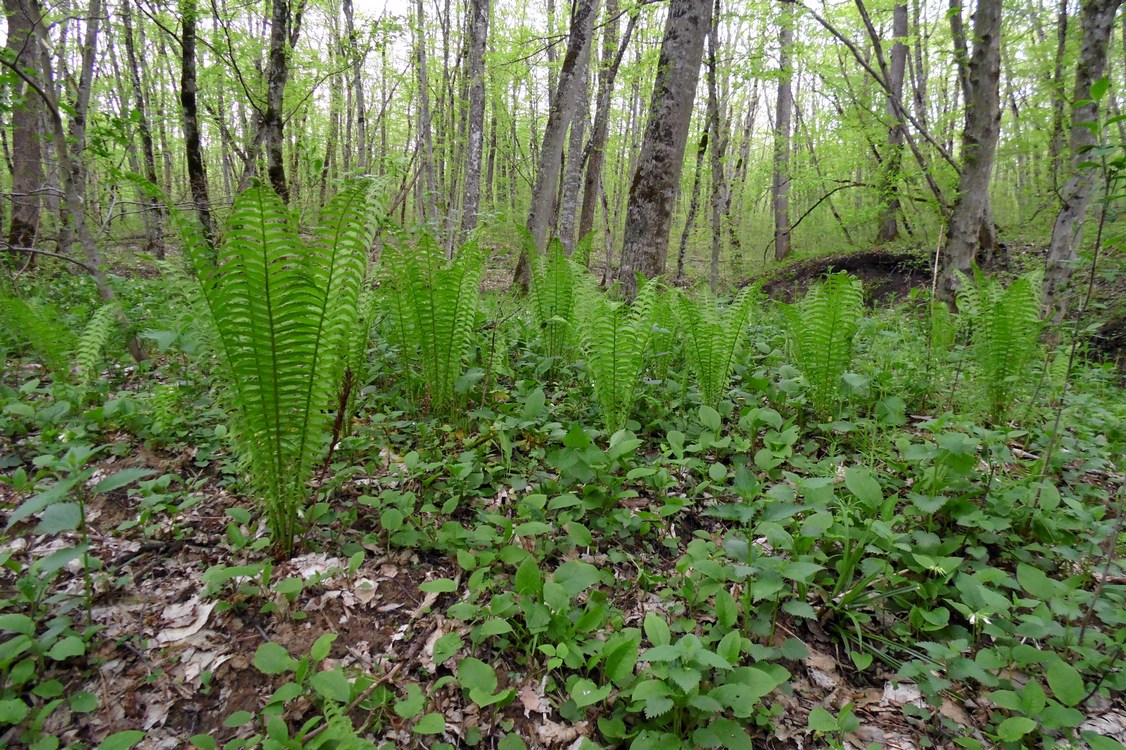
(553,298)
(40,328)
(712,336)
(822,327)
(282,310)
(92,342)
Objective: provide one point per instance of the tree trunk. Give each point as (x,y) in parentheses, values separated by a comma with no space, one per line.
(596,148)
(277,74)
(1096,20)
(27,131)
(721,193)
(357,55)
(889,227)
(572,76)
(1055,147)
(155,240)
(693,203)
(653,190)
(475,124)
(780,190)
(573,169)
(197,169)
(979,144)
(429,188)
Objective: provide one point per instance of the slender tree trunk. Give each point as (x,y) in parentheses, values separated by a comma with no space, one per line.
(780,191)
(1096,19)
(979,144)
(596,148)
(277,74)
(429,187)
(721,193)
(27,132)
(572,76)
(155,240)
(889,227)
(356,52)
(653,190)
(475,122)
(693,204)
(1055,146)
(573,170)
(197,169)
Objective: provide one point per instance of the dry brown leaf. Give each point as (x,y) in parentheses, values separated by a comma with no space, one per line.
(533,700)
(551,733)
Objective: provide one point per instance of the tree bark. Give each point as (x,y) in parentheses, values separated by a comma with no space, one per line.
(197,168)
(429,188)
(572,76)
(475,124)
(652,192)
(573,169)
(889,226)
(1096,20)
(780,189)
(27,132)
(721,194)
(979,145)
(596,148)
(155,240)
(693,203)
(277,74)
(1055,147)
(357,55)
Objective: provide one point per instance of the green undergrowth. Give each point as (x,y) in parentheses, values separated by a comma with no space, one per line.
(656,514)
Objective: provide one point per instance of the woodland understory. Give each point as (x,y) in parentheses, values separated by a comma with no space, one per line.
(680,374)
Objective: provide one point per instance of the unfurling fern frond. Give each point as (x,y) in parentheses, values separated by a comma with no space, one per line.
(92,342)
(615,338)
(1005,332)
(431,307)
(821,331)
(553,298)
(712,337)
(283,310)
(40,328)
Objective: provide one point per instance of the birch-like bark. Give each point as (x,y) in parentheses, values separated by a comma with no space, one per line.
(428,188)
(780,188)
(653,190)
(277,74)
(693,204)
(572,76)
(475,122)
(1096,20)
(1055,145)
(889,226)
(155,239)
(979,145)
(721,193)
(356,52)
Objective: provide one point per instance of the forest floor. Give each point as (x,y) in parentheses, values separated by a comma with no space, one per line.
(183,600)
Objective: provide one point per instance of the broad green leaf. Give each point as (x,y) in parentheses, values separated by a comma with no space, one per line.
(585,693)
(332,685)
(1015,727)
(122,740)
(1066,683)
(67,648)
(438,585)
(657,630)
(272,658)
(120,479)
(861,483)
(821,720)
(474,673)
(431,723)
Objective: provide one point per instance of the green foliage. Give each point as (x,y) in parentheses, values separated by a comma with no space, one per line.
(92,342)
(615,337)
(821,331)
(554,278)
(712,337)
(431,308)
(1005,328)
(40,328)
(283,310)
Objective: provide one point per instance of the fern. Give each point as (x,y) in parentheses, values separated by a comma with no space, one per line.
(822,327)
(39,328)
(553,298)
(615,337)
(431,308)
(712,336)
(92,343)
(1005,332)
(282,310)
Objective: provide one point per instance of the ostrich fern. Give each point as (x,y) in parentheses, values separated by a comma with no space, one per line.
(283,310)
(821,330)
(615,337)
(553,298)
(1005,332)
(712,336)
(431,307)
